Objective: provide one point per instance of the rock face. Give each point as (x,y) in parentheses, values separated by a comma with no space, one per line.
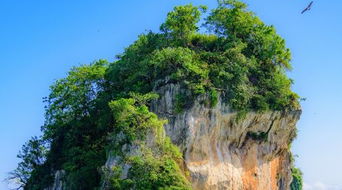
(223,153)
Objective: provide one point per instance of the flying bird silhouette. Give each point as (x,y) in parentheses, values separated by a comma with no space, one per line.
(308,7)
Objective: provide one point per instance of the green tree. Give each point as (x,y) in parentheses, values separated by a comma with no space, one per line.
(265,50)
(297,179)
(232,20)
(181,23)
(33,156)
(74,97)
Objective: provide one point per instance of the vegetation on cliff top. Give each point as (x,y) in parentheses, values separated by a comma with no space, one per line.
(239,58)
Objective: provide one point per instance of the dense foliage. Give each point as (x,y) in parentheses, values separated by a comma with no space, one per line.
(33,156)
(297,180)
(151,168)
(99,109)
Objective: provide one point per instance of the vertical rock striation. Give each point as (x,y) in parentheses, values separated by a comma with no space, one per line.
(222,153)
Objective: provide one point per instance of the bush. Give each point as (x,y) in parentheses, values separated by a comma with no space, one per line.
(297,179)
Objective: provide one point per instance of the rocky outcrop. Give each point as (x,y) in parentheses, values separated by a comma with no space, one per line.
(219,151)
(223,153)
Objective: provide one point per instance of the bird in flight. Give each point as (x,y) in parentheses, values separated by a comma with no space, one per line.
(308,7)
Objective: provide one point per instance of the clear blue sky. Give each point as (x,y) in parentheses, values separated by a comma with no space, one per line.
(41,40)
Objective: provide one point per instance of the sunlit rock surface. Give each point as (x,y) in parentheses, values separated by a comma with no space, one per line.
(223,153)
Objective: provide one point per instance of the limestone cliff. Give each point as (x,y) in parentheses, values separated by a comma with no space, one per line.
(222,153)
(219,151)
